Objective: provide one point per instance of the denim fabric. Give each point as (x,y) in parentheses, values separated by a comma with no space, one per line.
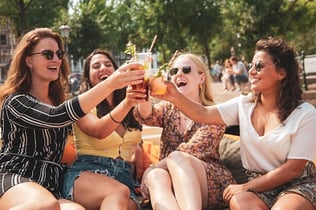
(117,169)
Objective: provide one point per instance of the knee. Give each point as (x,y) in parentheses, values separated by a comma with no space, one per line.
(241,201)
(157,174)
(121,189)
(78,207)
(74,206)
(49,204)
(176,156)
(233,203)
(158,177)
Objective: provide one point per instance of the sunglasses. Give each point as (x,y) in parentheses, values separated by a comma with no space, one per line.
(185,70)
(258,66)
(49,54)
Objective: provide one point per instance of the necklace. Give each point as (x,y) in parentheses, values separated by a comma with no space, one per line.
(185,123)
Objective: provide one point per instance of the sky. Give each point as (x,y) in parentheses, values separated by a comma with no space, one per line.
(72,5)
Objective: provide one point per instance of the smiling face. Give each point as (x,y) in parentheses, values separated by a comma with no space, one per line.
(101,68)
(269,77)
(42,69)
(187,83)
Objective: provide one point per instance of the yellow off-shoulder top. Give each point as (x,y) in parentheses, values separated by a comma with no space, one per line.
(113,146)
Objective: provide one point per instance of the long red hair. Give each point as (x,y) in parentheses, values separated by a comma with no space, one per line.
(19,76)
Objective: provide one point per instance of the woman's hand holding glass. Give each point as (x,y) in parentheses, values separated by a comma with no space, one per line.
(123,77)
(133,97)
(170,94)
(156,81)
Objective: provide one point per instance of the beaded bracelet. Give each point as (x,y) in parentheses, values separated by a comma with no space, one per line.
(114,120)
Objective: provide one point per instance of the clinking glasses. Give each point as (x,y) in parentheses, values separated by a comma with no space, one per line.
(49,54)
(185,70)
(258,65)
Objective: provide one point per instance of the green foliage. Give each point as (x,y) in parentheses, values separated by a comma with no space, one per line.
(29,14)
(207,27)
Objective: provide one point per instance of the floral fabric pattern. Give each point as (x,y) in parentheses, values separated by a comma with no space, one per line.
(199,140)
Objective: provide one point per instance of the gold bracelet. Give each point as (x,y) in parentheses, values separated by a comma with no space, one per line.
(114,120)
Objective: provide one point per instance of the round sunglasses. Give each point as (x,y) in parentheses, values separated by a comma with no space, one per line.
(185,70)
(49,54)
(258,65)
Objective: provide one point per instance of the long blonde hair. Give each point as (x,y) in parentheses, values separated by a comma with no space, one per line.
(205,92)
(19,76)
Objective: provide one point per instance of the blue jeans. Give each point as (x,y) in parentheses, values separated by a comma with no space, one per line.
(117,169)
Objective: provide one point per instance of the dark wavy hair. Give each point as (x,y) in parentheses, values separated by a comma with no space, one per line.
(284,57)
(19,75)
(118,95)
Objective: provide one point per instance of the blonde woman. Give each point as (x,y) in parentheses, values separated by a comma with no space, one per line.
(189,174)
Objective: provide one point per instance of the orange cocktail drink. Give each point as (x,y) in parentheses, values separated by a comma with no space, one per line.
(145,60)
(156,82)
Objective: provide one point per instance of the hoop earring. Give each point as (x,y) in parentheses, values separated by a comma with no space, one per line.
(200,86)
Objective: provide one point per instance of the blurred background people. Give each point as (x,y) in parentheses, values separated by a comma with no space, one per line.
(228,76)
(217,71)
(240,73)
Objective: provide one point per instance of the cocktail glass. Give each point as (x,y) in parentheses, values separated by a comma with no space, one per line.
(145,60)
(156,82)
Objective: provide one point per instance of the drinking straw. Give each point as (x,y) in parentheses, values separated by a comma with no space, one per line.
(175,54)
(153,43)
(173,57)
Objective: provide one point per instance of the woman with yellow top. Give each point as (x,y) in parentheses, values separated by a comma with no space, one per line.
(105,140)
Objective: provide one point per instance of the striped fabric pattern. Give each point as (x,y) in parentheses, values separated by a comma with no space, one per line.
(34,136)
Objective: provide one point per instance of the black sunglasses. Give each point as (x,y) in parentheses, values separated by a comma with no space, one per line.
(49,54)
(185,70)
(258,66)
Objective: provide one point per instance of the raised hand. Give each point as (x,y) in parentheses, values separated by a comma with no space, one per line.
(171,93)
(133,97)
(123,77)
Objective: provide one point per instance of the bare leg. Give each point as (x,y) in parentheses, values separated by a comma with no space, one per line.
(160,188)
(97,191)
(27,196)
(132,205)
(69,205)
(292,201)
(247,201)
(189,180)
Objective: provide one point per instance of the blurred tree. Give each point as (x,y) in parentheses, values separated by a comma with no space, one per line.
(86,32)
(28,14)
(249,20)
(301,19)
(162,18)
(206,27)
(203,23)
(180,25)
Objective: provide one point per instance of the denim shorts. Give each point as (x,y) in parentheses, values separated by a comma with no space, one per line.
(117,169)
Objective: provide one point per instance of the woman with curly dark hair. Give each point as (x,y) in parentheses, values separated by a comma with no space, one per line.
(277,126)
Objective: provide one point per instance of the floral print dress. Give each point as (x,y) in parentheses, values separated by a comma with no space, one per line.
(199,140)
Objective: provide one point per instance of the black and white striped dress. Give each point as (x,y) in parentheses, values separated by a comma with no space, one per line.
(34,135)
